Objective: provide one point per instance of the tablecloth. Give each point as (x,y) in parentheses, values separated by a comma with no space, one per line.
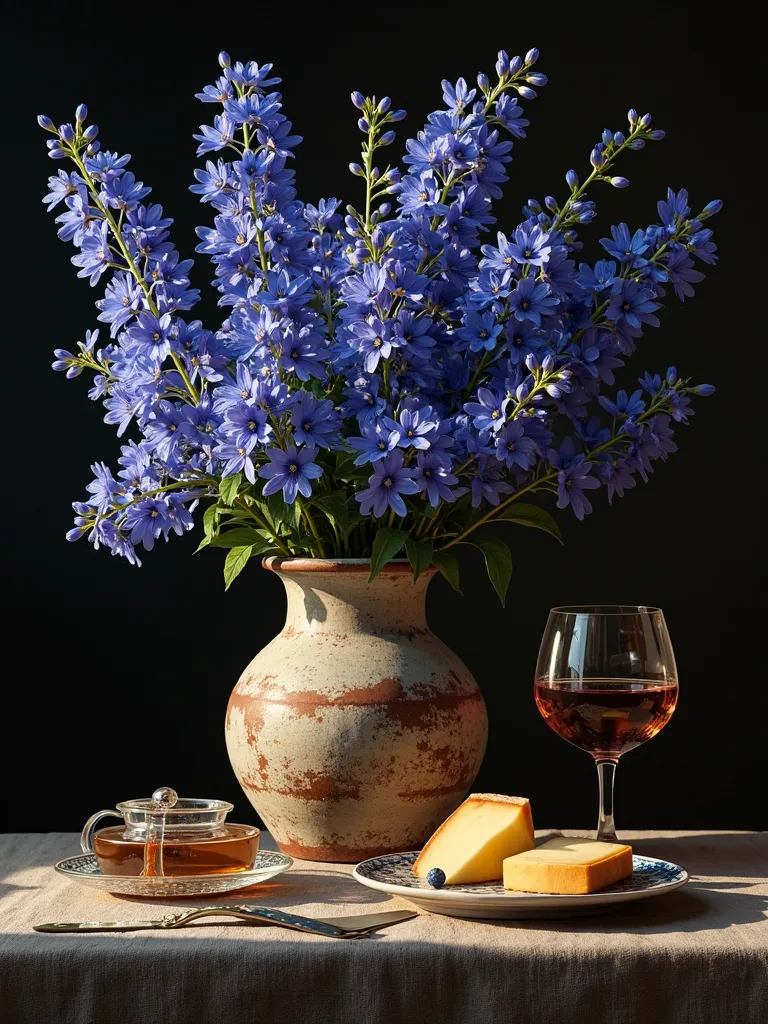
(695,956)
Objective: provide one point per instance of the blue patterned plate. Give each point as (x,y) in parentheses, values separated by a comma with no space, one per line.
(393,874)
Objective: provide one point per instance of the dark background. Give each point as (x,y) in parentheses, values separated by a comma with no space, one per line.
(119,677)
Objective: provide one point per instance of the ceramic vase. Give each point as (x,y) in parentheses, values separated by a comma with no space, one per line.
(356,731)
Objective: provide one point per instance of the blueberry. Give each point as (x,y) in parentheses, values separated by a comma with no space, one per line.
(436,878)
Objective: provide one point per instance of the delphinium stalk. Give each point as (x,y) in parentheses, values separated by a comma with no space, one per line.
(383,381)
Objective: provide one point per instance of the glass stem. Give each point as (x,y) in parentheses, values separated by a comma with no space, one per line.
(606,829)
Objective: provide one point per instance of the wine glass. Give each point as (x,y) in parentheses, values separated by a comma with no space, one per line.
(606,681)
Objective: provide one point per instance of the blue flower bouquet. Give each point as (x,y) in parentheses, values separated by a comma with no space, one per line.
(390,377)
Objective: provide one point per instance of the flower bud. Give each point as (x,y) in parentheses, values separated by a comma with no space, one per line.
(225,60)
(672,376)
(645,121)
(534,206)
(525,92)
(548,363)
(397,115)
(67,132)
(705,390)
(532,362)
(357,169)
(502,63)
(363,124)
(91,132)
(55,152)
(375,174)
(536,78)
(572,179)
(384,104)
(358,99)
(636,144)
(619,138)
(393,175)
(657,134)
(619,182)
(607,137)
(522,392)
(81,113)
(482,81)
(45,122)
(596,157)
(93,149)
(632,116)
(515,65)
(532,56)
(378,238)
(711,209)
(587,216)
(551,203)
(387,139)
(385,209)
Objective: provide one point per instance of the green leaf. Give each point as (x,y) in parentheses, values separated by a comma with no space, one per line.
(235,563)
(419,554)
(242,536)
(229,487)
(498,562)
(283,514)
(386,544)
(210,526)
(531,515)
(448,566)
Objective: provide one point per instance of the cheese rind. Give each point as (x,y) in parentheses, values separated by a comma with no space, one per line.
(470,845)
(568,866)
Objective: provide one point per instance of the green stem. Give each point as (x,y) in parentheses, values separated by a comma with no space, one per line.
(313,529)
(476,375)
(494,512)
(114,228)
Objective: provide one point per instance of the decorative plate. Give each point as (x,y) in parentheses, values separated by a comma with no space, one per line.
(85,870)
(393,874)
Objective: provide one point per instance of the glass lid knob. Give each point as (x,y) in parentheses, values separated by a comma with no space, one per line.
(165,797)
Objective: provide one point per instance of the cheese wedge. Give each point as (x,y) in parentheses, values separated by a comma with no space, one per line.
(569,866)
(470,845)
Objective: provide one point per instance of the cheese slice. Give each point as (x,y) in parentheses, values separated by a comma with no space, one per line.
(470,845)
(569,866)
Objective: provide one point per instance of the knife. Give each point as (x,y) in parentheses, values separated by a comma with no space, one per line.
(352,926)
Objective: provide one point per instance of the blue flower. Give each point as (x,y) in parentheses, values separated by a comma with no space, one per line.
(434,479)
(480,330)
(389,481)
(314,421)
(420,194)
(373,340)
(624,247)
(513,448)
(573,479)
(633,305)
(376,442)
(487,484)
(121,302)
(624,407)
(291,471)
(146,520)
(414,427)
(531,300)
(489,411)
(124,192)
(152,335)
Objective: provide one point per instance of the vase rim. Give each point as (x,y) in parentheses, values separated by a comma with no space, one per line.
(398,566)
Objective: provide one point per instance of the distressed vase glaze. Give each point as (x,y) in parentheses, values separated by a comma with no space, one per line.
(356,731)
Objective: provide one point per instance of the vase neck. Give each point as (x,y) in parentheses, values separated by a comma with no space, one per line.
(344,602)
